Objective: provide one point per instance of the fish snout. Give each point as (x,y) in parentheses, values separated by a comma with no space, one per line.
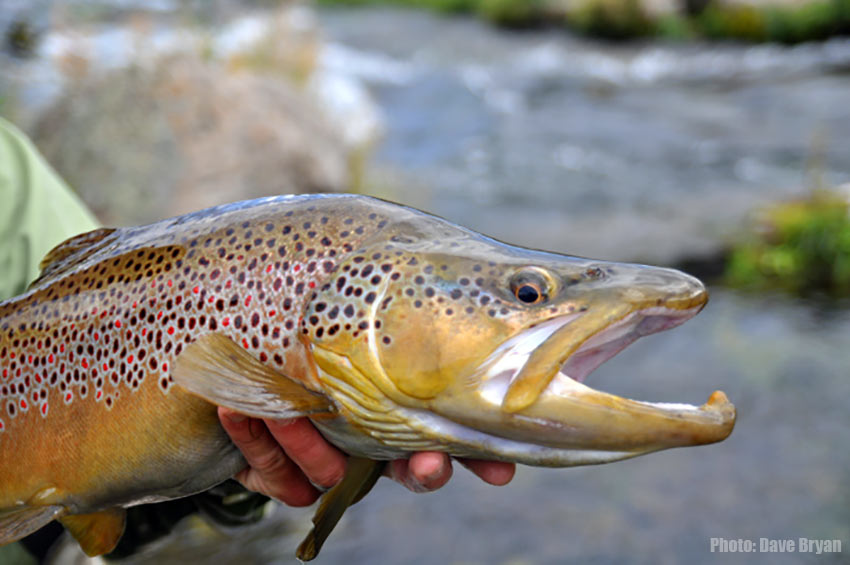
(643,287)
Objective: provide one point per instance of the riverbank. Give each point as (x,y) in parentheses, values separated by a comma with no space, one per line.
(778,21)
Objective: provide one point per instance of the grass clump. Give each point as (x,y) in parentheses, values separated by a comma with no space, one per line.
(802,247)
(612,19)
(510,13)
(790,24)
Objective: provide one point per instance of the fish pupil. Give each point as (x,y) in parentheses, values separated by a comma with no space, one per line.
(528,293)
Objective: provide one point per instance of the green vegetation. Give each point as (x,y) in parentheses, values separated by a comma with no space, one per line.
(628,19)
(801,247)
(813,20)
(612,19)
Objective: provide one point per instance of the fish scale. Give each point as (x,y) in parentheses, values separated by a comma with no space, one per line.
(378,321)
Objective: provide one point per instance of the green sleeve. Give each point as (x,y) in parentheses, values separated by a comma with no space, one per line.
(37,211)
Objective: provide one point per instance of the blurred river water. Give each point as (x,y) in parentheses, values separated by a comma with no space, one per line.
(652,152)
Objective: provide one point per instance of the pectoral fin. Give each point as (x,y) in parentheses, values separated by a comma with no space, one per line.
(220,371)
(97,533)
(24,520)
(360,476)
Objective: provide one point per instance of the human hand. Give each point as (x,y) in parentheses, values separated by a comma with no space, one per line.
(287,457)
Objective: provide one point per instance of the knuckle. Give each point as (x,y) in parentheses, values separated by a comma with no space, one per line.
(269,462)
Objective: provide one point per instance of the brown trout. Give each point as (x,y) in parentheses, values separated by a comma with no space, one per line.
(393,330)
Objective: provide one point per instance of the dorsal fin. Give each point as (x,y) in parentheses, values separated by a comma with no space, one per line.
(70,252)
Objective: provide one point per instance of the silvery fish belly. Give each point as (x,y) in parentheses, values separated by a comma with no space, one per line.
(394,330)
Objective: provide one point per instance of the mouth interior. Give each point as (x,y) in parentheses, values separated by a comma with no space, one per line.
(506,363)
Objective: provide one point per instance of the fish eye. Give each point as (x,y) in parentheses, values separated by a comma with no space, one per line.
(528,293)
(529,287)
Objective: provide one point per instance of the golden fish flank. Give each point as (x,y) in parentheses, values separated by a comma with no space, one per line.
(395,330)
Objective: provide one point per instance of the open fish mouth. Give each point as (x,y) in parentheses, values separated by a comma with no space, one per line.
(506,364)
(565,413)
(619,335)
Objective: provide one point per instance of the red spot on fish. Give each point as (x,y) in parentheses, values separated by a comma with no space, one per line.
(228,284)
(272,312)
(248,300)
(99,395)
(12,355)
(165,367)
(61,348)
(5,373)
(24,404)
(96,336)
(144,332)
(68,396)
(225,322)
(269,269)
(37,378)
(245,343)
(170,284)
(130,358)
(29,359)
(170,330)
(44,409)
(296,268)
(50,358)
(84,364)
(196,290)
(159,315)
(211,299)
(311,284)
(117,323)
(105,367)
(135,304)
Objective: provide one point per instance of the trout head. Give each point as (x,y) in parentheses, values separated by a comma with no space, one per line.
(431,336)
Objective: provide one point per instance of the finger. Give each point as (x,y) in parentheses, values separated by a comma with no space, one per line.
(423,472)
(496,473)
(321,462)
(431,469)
(269,471)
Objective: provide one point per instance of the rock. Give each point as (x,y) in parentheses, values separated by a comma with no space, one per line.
(142,143)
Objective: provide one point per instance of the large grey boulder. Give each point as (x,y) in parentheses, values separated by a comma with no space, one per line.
(149,141)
